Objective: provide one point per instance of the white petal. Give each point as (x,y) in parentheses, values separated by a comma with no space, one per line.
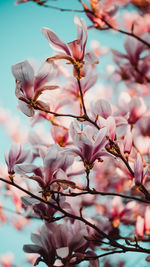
(62,252)
(23,72)
(26,108)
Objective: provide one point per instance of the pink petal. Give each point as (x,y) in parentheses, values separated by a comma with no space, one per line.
(147,220)
(103,108)
(138,170)
(55,42)
(24,73)
(81,30)
(62,252)
(26,108)
(25,168)
(45,74)
(140,226)
(111,126)
(128,140)
(101,140)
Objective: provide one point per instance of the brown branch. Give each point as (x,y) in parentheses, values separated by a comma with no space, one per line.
(104,235)
(126,33)
(57,114)
(87,10)
(94,192)
(82,99)
(62,9)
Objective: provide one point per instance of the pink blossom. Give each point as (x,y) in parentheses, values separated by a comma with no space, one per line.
(75,49)
(90,143)
(67,242)
(102,113)
(55,164)
(133,66)
(141,23)
(100,12)
(16,156)
(132,108)
(29,87)
(42,245)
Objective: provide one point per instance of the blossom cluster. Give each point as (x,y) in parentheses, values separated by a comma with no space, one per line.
(97,158)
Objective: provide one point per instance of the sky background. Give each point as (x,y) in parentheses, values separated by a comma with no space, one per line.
(21,38)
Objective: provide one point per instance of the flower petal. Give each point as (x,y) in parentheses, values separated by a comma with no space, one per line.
(55,42)
(62,252)
(24,73)
(26,108)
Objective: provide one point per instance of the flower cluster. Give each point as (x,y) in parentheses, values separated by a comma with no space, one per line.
(90,179)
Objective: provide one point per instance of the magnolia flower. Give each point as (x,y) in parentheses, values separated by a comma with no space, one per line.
(133,66)
(90,143)
(16,156)
(132,109)
(74,52)
(43,245)
(30,86)
(42,210)
(53,172)
(102,113)
(75,49)
(62,241)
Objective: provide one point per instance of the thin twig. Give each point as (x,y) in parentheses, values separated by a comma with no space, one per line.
(94,192)
(57,114)
(62,9)
(82,99)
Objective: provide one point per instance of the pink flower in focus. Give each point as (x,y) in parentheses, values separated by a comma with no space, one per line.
(29,87)
(75,49)
(102,113)
(16,156)
(90,143)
